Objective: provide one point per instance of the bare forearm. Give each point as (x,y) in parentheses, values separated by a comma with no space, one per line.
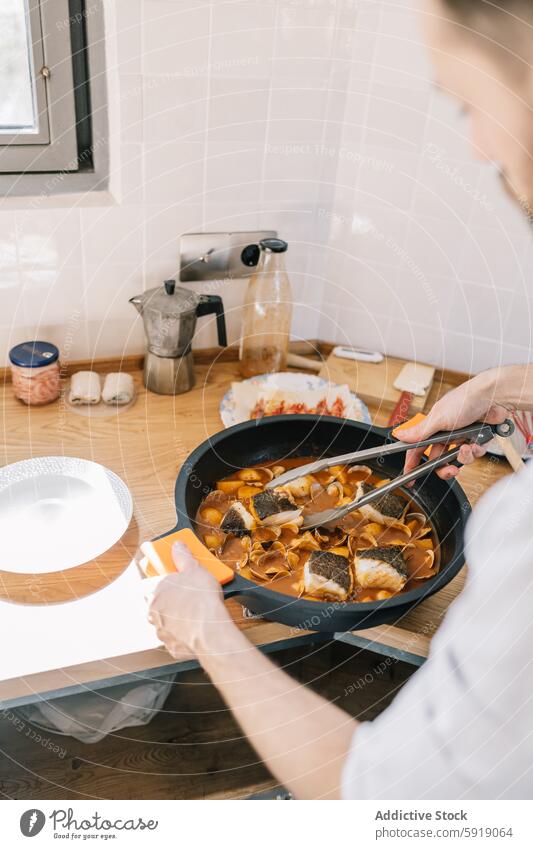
(510,386)
(302,738)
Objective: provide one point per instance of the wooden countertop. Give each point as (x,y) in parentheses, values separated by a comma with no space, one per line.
(146,446)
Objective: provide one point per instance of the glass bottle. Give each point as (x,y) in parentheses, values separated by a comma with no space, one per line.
(267,313)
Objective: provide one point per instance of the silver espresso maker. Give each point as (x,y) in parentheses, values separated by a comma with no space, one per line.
(169,314)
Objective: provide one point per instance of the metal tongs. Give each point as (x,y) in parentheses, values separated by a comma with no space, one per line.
(478,433)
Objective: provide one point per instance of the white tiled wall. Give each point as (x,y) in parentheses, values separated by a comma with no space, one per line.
(204,98)
(427,258)
(312,117)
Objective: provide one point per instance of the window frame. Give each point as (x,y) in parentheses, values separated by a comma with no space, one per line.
(40,104)
(77,157)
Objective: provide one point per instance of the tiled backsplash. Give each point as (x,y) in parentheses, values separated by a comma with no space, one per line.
(312,117)
(427,258)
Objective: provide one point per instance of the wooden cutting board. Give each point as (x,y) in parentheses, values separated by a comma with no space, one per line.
(373,382)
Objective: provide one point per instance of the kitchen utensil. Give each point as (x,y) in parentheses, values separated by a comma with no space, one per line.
(414,379)
(257,442)
(345,352)
(296,361)
(59,512)
(169,313)
(239,401)
(373,382)
(478,433)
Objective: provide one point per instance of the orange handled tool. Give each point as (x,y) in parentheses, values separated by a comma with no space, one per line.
(158,556)
(410,423)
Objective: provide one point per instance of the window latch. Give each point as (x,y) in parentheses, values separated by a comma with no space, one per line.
(45,72)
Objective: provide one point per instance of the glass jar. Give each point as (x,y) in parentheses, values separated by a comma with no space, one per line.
(35,372)
(267,313)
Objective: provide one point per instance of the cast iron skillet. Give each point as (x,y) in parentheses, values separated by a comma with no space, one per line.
(274,438)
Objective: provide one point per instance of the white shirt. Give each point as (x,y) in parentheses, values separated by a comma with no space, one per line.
(462,727)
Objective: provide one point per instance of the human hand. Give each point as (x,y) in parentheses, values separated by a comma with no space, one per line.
(463,406)
(187,608)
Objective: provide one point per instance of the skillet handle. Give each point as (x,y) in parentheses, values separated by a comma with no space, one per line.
(234,588)
(159,553)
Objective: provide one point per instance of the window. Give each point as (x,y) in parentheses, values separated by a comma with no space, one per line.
(45,96)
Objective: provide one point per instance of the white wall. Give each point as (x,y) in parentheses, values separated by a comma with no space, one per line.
(206,103)
(313,117)
(427,258)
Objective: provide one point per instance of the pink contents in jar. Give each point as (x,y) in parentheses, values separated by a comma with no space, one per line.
(35,372)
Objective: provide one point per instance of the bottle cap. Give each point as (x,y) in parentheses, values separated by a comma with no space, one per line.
(277,246)
(34,354)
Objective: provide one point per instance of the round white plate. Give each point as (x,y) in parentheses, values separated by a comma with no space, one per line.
(292,382)
(59,512)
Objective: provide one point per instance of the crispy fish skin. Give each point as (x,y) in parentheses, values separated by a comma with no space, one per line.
(269,502)
(237,521)
(328,574)
(381,568)
(388,508)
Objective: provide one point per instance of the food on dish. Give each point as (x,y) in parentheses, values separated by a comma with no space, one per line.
(274,508)
(281,406)
(289,392)
(237,521)
(381,567)
(327,574)
(387,509)
(368,555)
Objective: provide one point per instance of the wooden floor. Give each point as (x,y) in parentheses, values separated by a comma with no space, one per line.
(193,749)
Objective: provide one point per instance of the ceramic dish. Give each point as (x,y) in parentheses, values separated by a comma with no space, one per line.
(59,512)
(293,387)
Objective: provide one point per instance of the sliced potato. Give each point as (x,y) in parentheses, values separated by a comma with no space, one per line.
(211,541)
(246,491)
(383,594)
(229,487)
(211,515)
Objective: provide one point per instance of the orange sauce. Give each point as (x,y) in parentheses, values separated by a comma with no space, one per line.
(292,584)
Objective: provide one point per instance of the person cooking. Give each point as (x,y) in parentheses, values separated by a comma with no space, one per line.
(462,727)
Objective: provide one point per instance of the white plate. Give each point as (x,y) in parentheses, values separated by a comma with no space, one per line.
(291,382)
(59,512)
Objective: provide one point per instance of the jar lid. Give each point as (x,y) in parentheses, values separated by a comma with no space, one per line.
(277,246)
(34,354)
